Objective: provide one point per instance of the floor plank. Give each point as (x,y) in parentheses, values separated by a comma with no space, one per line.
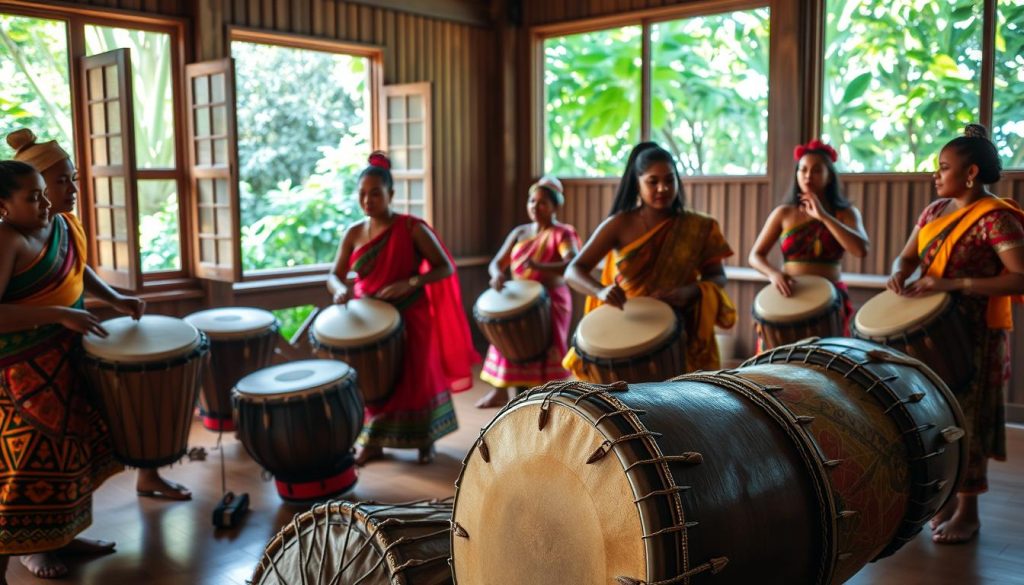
(164,543)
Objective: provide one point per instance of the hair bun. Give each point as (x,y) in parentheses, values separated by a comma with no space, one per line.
(20,139)
(975,131)
(380,160)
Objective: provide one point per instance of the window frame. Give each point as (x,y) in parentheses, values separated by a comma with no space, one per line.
(375,55)
(645,19)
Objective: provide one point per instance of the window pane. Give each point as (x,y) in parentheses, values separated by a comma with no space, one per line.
(901,78)
(151,84)
(1008,111)
(35,92)
(710,92)
(159,237)
(303,136)
(292,319)
(591,101)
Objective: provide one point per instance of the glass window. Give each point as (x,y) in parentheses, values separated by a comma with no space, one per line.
(159,238)
(303,136)
(592,99)
(709,78)
(1008,110)
(901,77)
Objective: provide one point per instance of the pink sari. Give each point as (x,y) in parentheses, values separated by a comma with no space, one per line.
(550,245)
(438,348)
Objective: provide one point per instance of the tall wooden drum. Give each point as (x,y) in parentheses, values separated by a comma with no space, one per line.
(929,328)
(300,421)
(145,377)
(364,543)
(815,309)
(366,334)
(797,468)
(642,342)
(516,320)
(242,340)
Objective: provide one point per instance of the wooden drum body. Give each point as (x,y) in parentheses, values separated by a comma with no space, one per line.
(365,543)
(643,342)
(366,334)
(242,340)
(145,377)
(516,320)
(299,421)
(928,328)
(771,474)
(815,309)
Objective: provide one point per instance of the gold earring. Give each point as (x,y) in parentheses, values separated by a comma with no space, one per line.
(970,183)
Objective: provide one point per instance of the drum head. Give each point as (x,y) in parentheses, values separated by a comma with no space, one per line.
(153,338)
(232,322)
(888,313)
(359,322)
(811,296)
(294,378)
(515,296)
(608,332)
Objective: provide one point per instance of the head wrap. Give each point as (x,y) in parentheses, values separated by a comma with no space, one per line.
(553,185)
(815,146)
(40,155)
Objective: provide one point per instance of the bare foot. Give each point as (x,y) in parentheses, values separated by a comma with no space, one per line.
(365,455)
(426,454)
(88,546)
(496,398)
(44,565)
(963,526)
(944,513)
(150,485)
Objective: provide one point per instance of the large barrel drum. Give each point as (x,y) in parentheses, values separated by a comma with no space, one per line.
(799,467)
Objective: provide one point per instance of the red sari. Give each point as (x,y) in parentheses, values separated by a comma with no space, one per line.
(438,349)
(550,245)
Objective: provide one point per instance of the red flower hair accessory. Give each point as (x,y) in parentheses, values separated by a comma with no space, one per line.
(380,160)
(815,146)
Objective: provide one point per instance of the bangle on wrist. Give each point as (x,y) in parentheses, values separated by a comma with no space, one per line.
(967,283)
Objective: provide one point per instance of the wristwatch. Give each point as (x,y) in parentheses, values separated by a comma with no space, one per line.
(414,281)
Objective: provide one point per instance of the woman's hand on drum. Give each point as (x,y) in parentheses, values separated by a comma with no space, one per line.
(678,297)
(612,295)
(929,284)
(343,296)
(498,282)
(132,306)
(783,283)
(394,291)
(81,321)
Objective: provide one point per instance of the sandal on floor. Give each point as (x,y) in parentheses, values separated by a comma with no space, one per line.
(173,491)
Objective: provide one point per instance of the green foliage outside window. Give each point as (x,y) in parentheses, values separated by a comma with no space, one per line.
(292,318)
(1008,106)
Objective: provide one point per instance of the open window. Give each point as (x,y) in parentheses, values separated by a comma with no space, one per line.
(405,133)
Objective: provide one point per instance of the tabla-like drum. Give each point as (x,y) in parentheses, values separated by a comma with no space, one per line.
(366,334)
(145,377)
(365,543)
(929,328)
(797,468)
(242,340)
(642,342)
(300,421)
(815,309)
(516,320)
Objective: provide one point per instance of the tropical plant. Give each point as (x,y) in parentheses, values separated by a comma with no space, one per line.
(292,318)
(1008,110)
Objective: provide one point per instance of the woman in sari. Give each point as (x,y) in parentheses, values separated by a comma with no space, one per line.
(971,243)
(57,450)
(61,179)
(537,251)
(815,226)
(399,259)
(653,246)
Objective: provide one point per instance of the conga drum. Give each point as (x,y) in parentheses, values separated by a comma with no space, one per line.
(365,543)
(144,378)
(242,340)
(797,468)
(929,328)
(815,309)
(516,320)
(366,334)
(642,342)
(299,421)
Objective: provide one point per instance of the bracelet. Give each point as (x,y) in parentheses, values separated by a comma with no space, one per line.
(967,284)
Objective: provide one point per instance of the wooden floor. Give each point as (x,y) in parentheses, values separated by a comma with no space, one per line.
(161,542)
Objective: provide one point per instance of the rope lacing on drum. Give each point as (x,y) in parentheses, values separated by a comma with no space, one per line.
(678,489)
(911,399)
(607,444)
(715,565)
(402,540)
(688,458)
(621,411)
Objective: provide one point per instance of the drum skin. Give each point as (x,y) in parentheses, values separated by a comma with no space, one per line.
(375,544)
(827,321)
(523,337)
(712,473)
(230,361)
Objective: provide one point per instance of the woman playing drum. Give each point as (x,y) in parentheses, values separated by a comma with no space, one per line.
(815,226)
(398,258)
(971,242)
(537,251)
(60,176)
(653,246)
